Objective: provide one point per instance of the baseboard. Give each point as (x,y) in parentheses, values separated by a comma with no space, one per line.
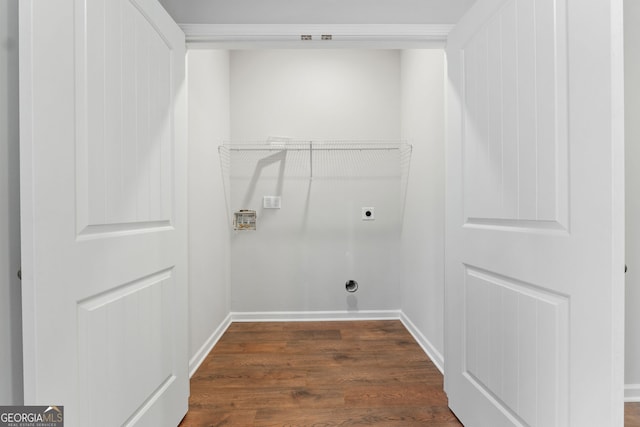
(300,316)
(632,393)
(201,354)
(426,345)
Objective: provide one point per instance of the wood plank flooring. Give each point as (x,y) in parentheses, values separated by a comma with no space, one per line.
(632,414)
(322,374)
(318,374)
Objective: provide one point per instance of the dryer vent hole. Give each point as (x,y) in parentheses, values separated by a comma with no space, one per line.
(351,286)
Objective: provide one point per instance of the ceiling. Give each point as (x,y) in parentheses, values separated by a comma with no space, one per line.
(316,11)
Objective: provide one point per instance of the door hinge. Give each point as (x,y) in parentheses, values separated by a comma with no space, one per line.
(20,273)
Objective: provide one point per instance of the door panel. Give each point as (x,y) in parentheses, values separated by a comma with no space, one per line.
(103,170)
(132,317)
(125,137)
(516,345)
(534,257)
(515,123)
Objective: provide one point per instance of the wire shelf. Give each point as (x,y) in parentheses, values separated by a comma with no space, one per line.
(318,159)
(315,160)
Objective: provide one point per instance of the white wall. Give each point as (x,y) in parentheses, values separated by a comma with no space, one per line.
(10,305)
(323,94)
(423,124)
(302,254)
(209,280)
(632,130)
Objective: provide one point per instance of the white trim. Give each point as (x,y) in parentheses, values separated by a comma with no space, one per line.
(289,35)
(426,345)
(27,208)
(198,358)
(310,316)
(632,393)
(617,129)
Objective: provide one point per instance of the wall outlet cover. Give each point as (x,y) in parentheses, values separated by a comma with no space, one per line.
(368,213)
(272,202)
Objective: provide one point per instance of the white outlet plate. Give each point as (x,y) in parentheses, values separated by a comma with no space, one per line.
(368,213)
(272,202)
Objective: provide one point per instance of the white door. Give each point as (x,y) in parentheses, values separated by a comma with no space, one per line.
(103,175)
(535,237)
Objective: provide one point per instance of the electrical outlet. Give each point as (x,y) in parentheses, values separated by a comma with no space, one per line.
(368,214)
(272,202)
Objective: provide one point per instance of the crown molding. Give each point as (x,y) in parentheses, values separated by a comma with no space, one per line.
(290,35)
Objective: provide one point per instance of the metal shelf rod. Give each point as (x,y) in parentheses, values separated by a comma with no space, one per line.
(314,149)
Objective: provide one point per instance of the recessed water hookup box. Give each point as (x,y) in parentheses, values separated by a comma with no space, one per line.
(244,219)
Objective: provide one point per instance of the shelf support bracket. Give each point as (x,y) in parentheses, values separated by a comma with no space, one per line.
(310,159)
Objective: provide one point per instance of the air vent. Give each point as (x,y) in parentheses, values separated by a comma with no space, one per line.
(327,37)
(306,37)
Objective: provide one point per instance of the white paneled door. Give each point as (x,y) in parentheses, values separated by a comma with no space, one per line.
(535,238)
(103,173)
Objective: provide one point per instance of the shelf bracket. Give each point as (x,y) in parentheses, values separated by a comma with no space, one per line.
(310,159)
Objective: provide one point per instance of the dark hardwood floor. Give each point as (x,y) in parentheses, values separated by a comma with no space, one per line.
(632,414)
(318,374)
(322,374)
